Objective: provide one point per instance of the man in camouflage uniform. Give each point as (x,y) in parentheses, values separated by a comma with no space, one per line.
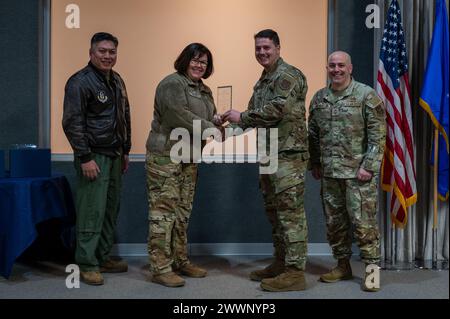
(180,99)
(278,101)
(346,143)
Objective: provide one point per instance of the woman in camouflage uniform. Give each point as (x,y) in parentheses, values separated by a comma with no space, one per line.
(180,99)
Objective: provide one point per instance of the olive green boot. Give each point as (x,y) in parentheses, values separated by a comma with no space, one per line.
(343,271)
(274,269)
(292,279)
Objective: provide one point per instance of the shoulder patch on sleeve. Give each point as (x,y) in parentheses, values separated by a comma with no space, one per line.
(285,84)
(373,100)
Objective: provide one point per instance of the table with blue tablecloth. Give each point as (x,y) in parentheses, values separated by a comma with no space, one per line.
(27,202)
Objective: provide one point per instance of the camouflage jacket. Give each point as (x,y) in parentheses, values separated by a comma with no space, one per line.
(347,130)
(278,101)
(178,102)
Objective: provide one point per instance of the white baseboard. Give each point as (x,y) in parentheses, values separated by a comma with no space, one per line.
(220,249)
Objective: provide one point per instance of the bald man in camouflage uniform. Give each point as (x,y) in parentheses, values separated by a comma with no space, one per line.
(278,101)
(347,133)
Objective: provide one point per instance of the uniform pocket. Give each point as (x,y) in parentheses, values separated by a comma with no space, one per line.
(322,112)
(369,198)
(160,233)
(156,179)
(296,236)
(287,178)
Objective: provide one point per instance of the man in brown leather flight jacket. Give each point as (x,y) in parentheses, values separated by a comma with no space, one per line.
(96,121)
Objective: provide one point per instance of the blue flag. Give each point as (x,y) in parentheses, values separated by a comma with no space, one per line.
(434,97)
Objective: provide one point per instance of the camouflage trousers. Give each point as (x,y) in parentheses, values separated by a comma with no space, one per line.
(170,189)
(283,198)
(350,203)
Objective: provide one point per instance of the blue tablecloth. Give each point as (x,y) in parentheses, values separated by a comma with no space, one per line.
(24,203)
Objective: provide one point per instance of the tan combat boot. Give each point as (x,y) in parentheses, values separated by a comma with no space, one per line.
(274,269)
(192,270)
(343,271)
(169,279)
(370,283)
(94,278)
(114,266)
(292,279)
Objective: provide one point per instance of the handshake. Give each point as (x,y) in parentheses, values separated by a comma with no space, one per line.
(231,116)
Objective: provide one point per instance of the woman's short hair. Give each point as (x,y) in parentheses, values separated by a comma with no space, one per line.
(190,52)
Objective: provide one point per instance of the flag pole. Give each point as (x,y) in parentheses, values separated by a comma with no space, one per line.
(393,239)
(435,197)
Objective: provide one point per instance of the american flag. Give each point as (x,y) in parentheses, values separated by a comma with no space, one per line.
(398,173)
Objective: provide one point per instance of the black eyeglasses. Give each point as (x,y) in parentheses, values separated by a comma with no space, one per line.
(199,63)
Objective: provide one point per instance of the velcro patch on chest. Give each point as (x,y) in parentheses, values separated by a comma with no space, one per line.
(351,104)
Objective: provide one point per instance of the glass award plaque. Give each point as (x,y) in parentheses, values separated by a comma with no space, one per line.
(224,98)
